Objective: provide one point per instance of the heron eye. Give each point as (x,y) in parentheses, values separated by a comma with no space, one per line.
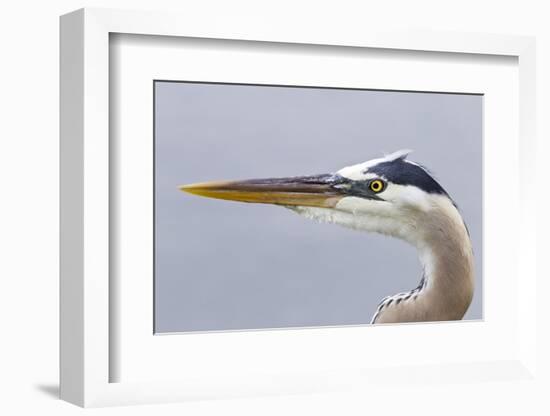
(376,185)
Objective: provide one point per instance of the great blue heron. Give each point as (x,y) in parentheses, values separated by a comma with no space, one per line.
(390,195)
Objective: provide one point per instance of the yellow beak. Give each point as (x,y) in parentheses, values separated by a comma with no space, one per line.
(308,191)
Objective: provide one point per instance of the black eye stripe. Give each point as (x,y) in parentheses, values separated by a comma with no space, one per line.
(402,172)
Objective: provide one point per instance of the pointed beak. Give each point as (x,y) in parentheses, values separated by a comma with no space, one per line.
(309,191)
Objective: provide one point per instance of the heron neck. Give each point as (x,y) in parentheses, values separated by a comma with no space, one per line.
(447,284)
(446,288)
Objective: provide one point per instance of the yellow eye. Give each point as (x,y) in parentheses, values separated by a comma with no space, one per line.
(376,185)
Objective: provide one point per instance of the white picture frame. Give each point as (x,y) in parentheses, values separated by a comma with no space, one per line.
(87,302)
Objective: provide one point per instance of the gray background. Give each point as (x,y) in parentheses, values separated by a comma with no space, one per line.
(222,265)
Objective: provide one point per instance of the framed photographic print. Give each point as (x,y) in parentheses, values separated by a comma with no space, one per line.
(271,211)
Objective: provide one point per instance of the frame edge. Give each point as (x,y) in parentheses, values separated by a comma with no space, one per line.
(71,221)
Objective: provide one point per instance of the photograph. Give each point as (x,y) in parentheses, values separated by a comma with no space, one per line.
(282,206)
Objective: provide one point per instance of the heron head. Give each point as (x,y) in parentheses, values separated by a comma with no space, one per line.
(383,194)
